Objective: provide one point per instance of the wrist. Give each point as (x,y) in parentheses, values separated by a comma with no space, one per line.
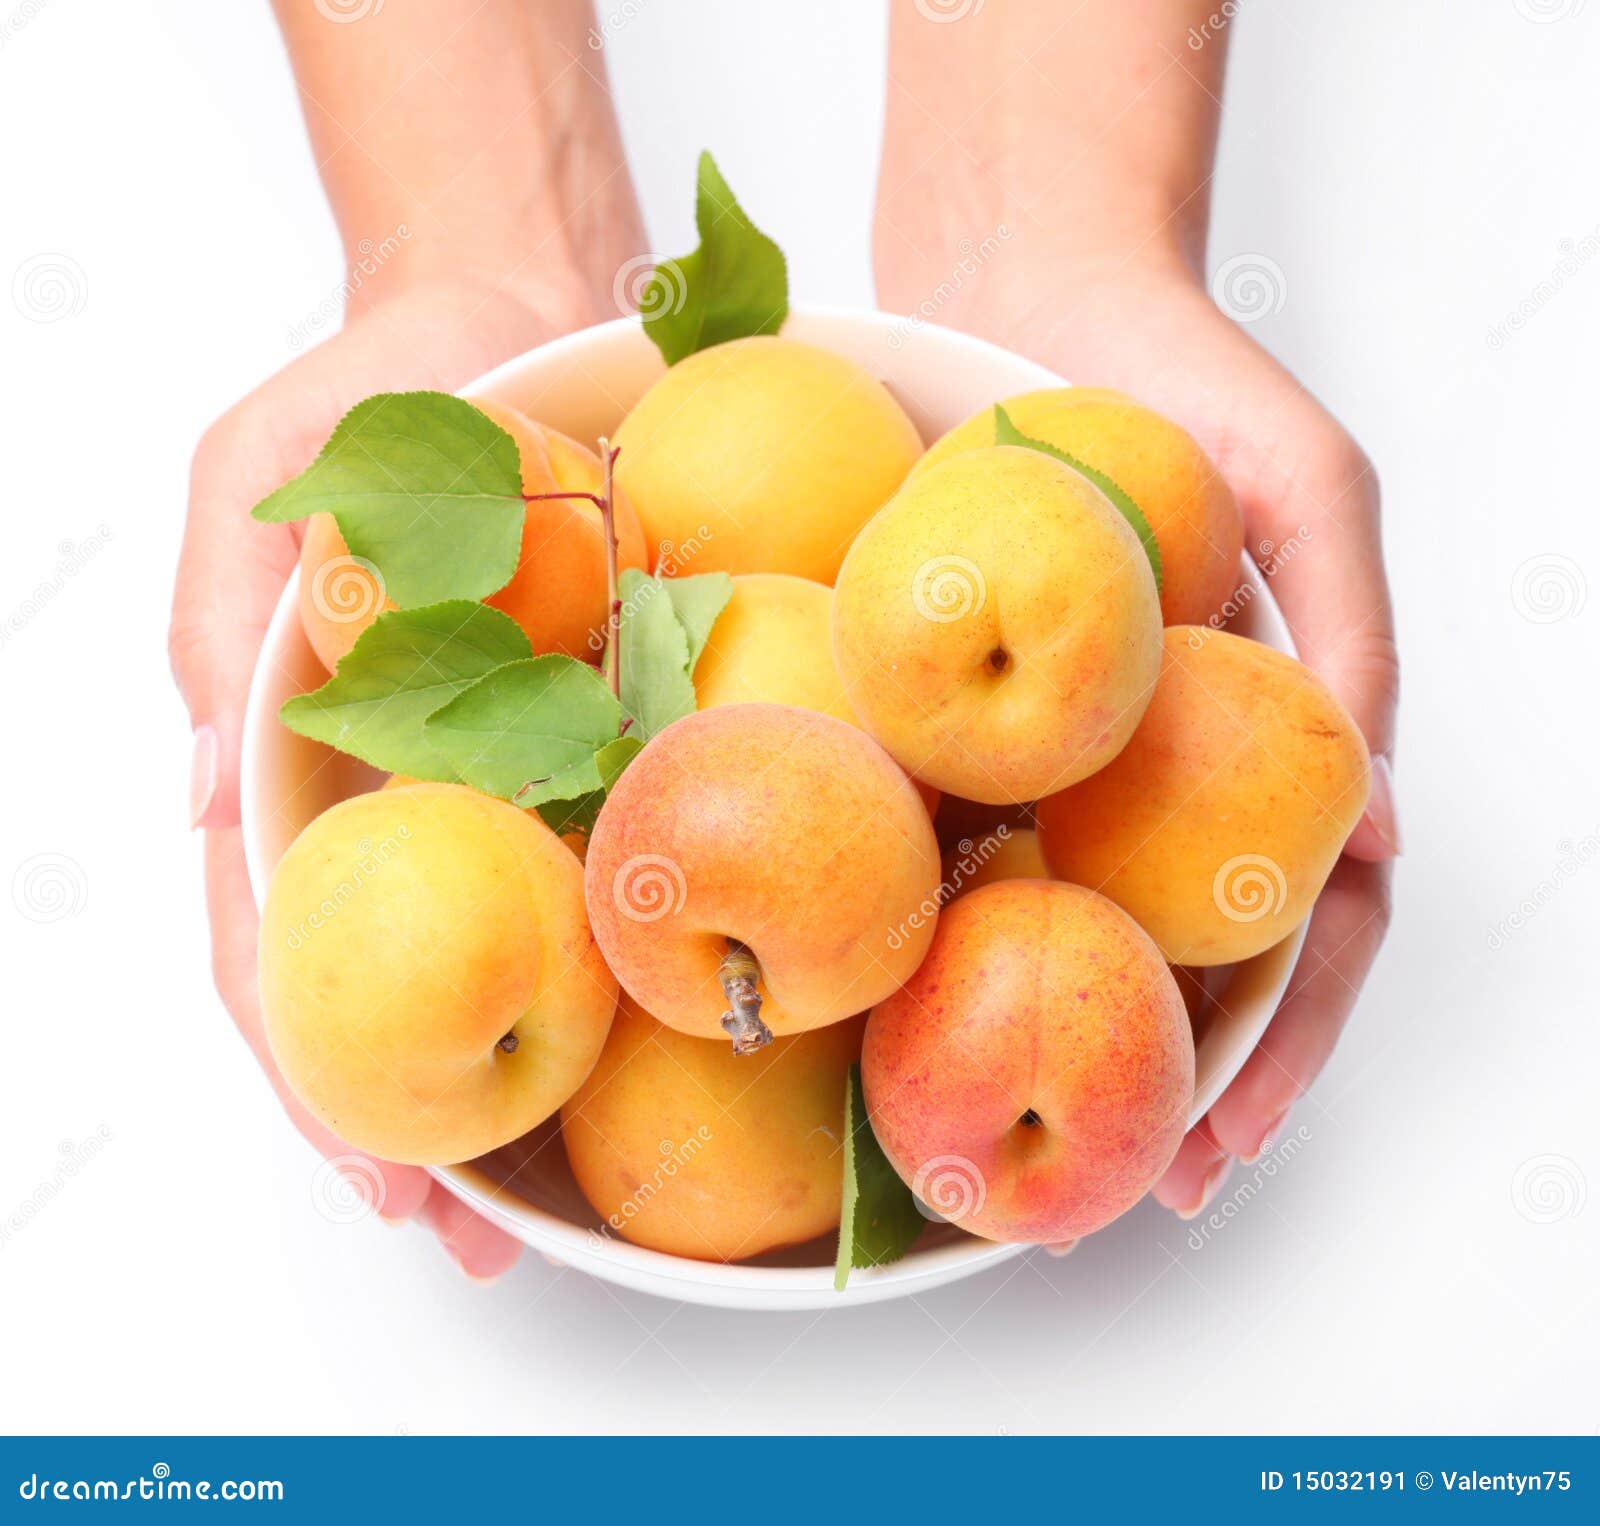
(986,268)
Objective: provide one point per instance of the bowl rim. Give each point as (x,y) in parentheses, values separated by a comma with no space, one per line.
(720,1284)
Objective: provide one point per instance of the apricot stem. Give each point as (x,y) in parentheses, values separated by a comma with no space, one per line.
(739,973)
(608,521)
(593,498)
(508,1043)
(603,500)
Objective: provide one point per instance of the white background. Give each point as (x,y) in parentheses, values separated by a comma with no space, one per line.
(1413,168)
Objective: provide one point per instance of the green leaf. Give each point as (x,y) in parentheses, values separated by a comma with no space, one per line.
(579,815)
(539,721)
(424,487)
(403,667)
(1007,433)
(735,284)
(697,602)
(665,625)
(879,1220)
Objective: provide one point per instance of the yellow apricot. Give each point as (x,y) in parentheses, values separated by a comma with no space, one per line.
(777,450)
(1185,498)
(996,626)
(1217,826)
(682,1146)
(429,984)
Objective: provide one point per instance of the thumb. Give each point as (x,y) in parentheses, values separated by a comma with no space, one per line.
(231,572)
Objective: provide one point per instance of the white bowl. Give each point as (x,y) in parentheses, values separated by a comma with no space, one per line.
(584,384)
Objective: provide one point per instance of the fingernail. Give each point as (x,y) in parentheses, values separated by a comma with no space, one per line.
(560,1266)
(202,774)
(1208,1188)
(483,1282)
(1381,813)
(1061,1248)
(1271,1132)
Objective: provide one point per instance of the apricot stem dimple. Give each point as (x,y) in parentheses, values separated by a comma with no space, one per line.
(739,973)
(998,660)
(508,1043)
(1030,1120)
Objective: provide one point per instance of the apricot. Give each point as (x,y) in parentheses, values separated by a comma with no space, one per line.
(996,626)
(773,643)
(780,829)
(766,454)
(1032,1080)
(1218,824)
(1007,853)
(578,842)
(1186,500)
(558,593)
(429,984)
(684,1147)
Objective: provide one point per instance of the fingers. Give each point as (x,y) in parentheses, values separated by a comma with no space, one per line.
(481,1250)
(397,1192)
(1377,835)
(1316,530)
(1346,932)
(232,569)
(1197,1170)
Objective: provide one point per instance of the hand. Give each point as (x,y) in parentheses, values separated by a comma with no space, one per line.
(230,575)
(1154,333)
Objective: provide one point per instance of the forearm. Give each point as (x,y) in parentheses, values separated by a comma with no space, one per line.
(1078,136)
(469,138)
